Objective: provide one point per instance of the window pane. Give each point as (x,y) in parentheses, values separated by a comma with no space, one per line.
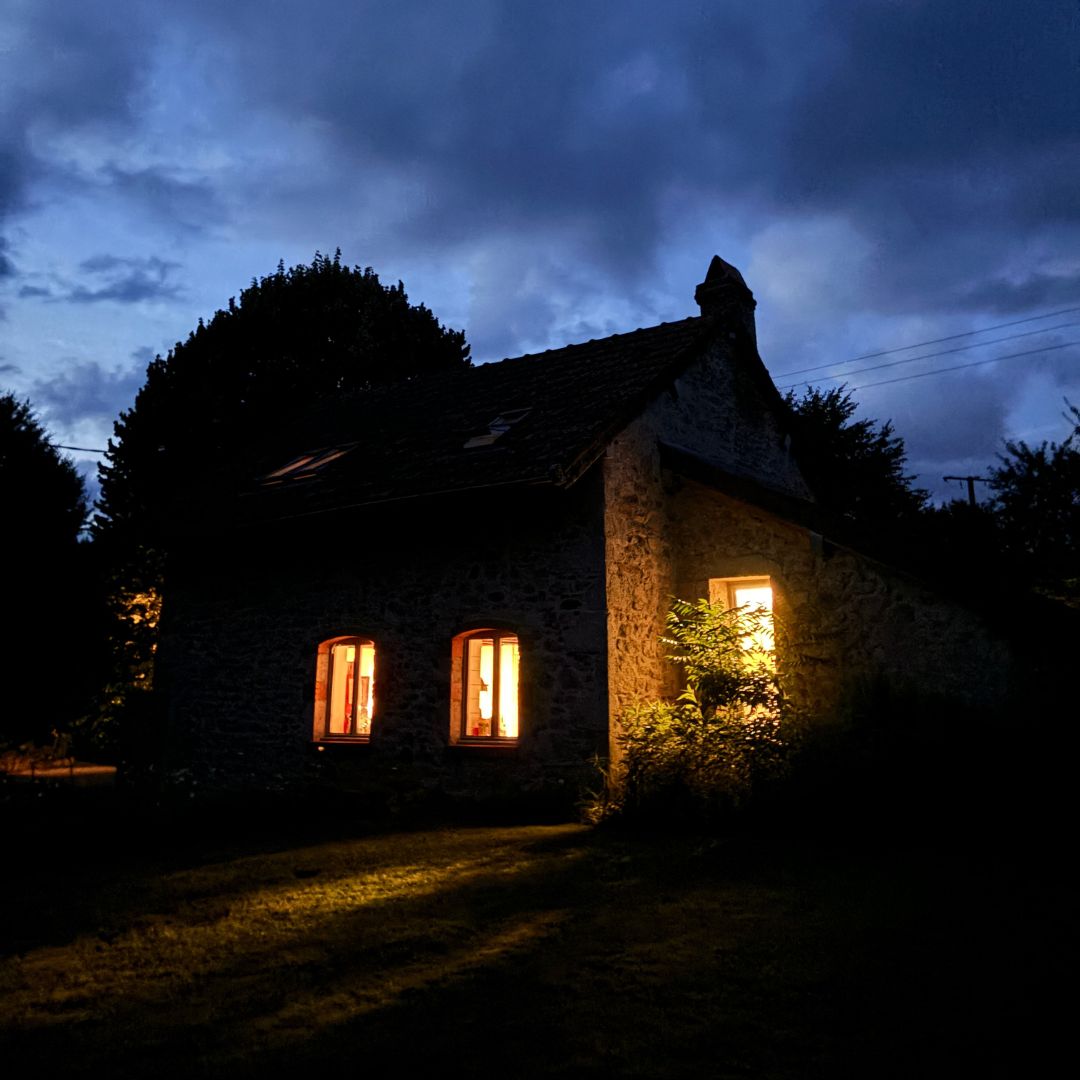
(480,666)
(342,688)
(352,688)
(508,688)
(366,690)
(759,598)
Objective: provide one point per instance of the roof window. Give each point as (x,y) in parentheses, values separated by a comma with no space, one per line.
(307,465)
(498,427)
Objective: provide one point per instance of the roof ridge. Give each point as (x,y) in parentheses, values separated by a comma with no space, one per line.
(590,341)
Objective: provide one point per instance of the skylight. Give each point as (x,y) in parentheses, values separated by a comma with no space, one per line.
(307,465)
(498,427)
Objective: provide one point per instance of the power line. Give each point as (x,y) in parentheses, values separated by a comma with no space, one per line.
(85,449)
(960,367)
(932,341)
(927,356)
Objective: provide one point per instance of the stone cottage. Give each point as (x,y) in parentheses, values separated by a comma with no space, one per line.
(465,577)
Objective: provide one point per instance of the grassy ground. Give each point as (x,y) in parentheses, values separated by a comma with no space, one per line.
(530,951)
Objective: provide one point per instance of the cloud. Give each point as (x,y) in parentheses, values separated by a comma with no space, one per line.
(85,393)
(883,172)
(919,124)
(7,267)
(125,280)
(1034,291)
(66,66)
(190,203)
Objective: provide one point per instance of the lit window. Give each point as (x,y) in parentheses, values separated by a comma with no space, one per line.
(345,688)
(307,465)
(755,597)
(485,697)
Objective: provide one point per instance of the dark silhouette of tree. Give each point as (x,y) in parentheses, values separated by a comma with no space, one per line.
(1037,507)
(855,469)
(213,409)
(218,401)
(43,665)
(44,498)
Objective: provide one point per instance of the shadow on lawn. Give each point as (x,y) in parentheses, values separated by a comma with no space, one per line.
(535,951)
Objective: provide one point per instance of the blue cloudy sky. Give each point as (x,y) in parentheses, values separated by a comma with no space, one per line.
(884,172)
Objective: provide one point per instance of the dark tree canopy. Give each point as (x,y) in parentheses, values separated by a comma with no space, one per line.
(854,467)
(212,407)
(45,665)
(1037,506)
(42,494)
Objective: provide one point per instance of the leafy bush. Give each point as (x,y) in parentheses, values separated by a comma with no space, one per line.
(704,754)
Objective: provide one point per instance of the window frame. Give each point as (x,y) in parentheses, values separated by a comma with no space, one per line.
(459,703)
(324,691)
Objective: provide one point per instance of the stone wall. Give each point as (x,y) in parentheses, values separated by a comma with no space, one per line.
(717,410)
(720,410)
(243,622)
(841,617)
(638,578)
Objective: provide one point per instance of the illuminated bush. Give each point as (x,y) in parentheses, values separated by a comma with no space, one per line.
(705,753)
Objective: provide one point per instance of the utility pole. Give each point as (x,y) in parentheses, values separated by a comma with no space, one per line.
(971,481)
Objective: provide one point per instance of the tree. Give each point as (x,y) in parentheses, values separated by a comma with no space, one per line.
(43,495)
(1037,506)
(217,402)
(46,594)
(854,467)
(212,409)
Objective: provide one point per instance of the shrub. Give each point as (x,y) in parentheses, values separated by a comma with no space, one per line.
(704,754)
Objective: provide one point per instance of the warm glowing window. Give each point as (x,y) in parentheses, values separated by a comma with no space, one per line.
(307,465)
(486,686)
(345,688)
(754,596)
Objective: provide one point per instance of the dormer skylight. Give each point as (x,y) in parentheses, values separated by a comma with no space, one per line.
(498,427)
(307,465)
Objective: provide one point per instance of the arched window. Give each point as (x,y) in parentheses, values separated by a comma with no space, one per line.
(345,688)
(484,702)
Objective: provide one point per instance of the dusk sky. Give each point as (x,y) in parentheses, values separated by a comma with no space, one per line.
(883,172)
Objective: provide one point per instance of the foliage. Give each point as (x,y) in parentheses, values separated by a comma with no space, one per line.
(1037,506)
(720,652)
(707,752)
(211,411)
(215,404)
(41,490)
(854,467)
(46,665)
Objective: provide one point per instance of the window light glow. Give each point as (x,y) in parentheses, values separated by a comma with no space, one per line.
(490,691)
(508,688)
(487,677)
(306,465)
(759,599)
(754,597)
(351,696)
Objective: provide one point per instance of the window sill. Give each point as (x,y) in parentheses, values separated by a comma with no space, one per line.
(483,747)
(346,740)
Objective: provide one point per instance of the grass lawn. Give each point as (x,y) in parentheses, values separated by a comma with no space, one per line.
(531,951)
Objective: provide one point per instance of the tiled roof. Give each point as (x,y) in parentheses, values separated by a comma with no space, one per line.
(409,440)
